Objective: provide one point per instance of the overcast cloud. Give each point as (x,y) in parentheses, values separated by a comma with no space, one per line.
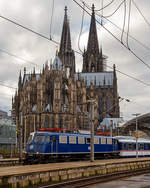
(35,14)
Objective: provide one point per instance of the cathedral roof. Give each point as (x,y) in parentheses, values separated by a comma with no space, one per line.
(97,78)
(27,78)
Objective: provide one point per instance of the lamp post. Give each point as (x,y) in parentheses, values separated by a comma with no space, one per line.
(136,136)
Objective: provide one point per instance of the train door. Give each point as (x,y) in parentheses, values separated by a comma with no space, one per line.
(54,144)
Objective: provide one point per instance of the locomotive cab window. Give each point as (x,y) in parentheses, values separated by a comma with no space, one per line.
(30,139)
(88,140)
(39,138)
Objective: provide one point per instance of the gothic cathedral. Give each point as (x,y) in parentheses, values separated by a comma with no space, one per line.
(57,97)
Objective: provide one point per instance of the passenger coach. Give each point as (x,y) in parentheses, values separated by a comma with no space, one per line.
(127,146)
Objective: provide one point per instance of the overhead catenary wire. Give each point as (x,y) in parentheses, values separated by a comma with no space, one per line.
(124,21)
(128,24)
(129,76)
(103,17)
(10,87)
(32,31)
(148,23)
(103,7)
(139,42)
(51,21)
(81,31)
(115,10)
(18,57)
(140,59)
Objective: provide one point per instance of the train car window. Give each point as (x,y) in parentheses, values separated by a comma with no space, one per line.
(88,140)
(48,139)
(103,140)
(130,147)
(63,139)
(146,147)
(96,140)
(109,140)
(39,138)
(81,140)
(141,146)
(124,146)
(134,146)
(72,139)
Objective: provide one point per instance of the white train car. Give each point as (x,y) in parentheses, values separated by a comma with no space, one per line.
(127,146)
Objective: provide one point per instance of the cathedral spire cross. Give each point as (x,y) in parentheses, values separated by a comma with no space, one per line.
(93,7)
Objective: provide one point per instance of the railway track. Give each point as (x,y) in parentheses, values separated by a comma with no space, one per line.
(95,179)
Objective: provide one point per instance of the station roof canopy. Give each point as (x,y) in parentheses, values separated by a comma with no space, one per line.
(143,123)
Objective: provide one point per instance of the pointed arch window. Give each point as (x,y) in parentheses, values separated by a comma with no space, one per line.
(46,121)
(53,123)
(60,123)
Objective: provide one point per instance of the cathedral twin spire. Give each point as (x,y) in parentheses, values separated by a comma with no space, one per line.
(66,54)
(65,44)
(93,46)
(92,57)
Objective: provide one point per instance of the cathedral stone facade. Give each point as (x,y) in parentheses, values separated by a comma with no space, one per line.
(58,97)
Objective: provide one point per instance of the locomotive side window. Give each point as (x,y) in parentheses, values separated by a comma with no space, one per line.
(63,139)
(72,139)
(103,140)
(48,139)
(96,140)
(109,141)
(53,138)
(81,140)
(88,140)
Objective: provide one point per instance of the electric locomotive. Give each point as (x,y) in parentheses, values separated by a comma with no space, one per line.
(46,146)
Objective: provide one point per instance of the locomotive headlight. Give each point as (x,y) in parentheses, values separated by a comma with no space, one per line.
(31,146)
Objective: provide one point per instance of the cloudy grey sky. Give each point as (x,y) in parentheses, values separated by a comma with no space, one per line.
(36,15)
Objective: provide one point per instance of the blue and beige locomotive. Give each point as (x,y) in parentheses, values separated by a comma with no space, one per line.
(53,145)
